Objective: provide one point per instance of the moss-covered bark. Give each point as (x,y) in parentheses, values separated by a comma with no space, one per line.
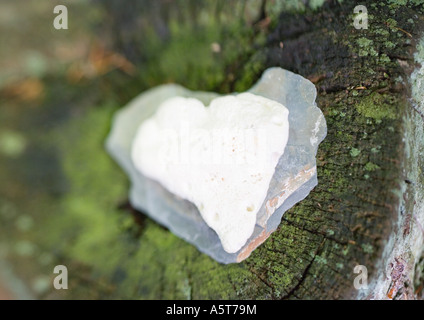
(65,201)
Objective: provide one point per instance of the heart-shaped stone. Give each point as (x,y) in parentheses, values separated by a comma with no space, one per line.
(294,177)
(221,158)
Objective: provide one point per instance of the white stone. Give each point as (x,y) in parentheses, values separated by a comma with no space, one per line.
(221,157)
(294,177)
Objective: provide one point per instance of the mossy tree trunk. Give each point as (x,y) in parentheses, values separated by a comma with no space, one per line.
(363,198)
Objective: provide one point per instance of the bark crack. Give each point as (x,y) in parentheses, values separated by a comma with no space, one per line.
(305,272)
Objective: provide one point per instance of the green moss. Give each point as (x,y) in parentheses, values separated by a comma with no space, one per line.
(384,58)
(409,3)
(367,248)
(274,8)
(215,42)
(354,152)
(371,166)
(25,248)
(251,71)
(320,260)
(88,225)
(315,4)
(378,106)
(90,229)
(12,143)
(364,42)
(346,250)
(24,222)
(391,23)
(366,47)
(416,2)
(398,2)
(382,32)
(389,45)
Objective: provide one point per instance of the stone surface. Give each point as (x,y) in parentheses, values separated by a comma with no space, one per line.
(294,177)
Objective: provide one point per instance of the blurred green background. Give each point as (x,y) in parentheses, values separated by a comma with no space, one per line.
(62,199)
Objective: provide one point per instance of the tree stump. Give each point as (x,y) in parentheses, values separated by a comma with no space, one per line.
(366,210)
